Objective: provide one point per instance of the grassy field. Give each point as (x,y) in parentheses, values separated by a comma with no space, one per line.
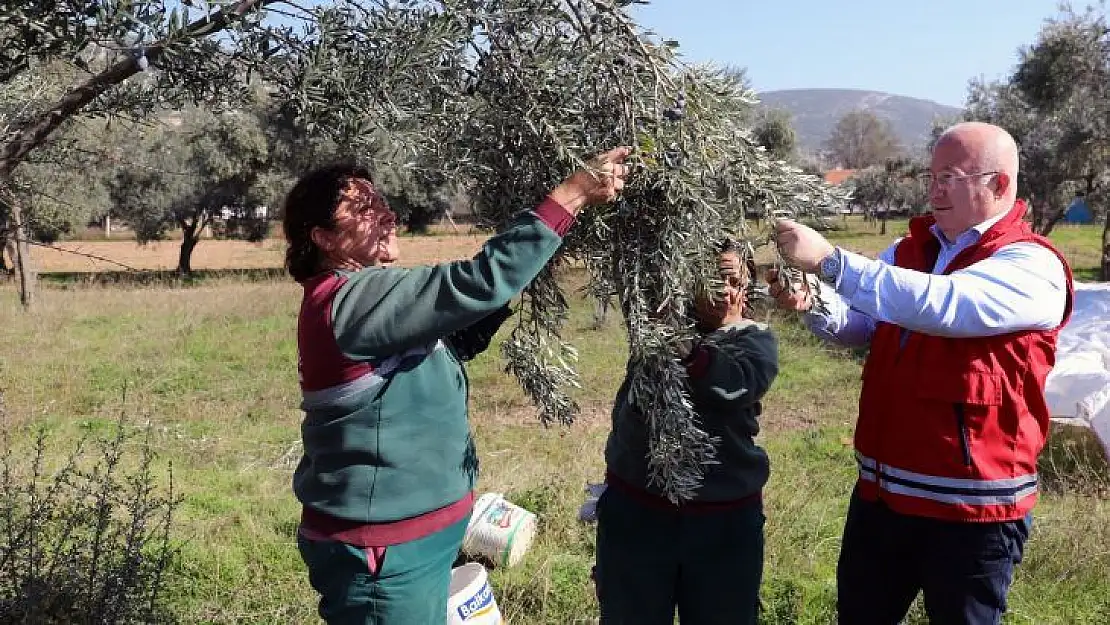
(212,369)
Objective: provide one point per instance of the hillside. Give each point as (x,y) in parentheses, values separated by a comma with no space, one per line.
(816,112)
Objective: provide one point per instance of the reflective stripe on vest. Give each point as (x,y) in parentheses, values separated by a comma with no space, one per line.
(968,492)
(330,397)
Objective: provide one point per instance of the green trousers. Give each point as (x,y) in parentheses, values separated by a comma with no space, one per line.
(405,584)
(651,561)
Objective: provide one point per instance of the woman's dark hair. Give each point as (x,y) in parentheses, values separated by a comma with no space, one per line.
(311,203)
(727,244)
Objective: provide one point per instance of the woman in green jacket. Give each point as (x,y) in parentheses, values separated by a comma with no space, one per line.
(389,465)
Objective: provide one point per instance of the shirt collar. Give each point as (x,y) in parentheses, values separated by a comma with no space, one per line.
(973,232)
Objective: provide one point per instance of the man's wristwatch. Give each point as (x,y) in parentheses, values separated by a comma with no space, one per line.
(829,269)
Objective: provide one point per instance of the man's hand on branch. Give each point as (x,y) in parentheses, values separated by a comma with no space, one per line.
(598,184)
(798,297)
(801,246)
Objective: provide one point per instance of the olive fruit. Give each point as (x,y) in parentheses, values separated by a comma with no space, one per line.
(140,59)
(674,114)
(673,158)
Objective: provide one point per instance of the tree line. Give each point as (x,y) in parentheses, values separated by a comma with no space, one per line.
(1055,102)
(147,111)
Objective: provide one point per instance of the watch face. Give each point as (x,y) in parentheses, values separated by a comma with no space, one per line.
(828,268)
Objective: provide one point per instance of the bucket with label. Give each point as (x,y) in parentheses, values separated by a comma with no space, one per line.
(470,597)
(499,530)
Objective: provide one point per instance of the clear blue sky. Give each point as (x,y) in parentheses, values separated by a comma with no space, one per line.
(918,48)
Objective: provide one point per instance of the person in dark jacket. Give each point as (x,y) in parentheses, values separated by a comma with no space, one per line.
(703,557)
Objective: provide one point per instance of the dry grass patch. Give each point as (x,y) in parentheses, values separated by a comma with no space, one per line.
(223,254)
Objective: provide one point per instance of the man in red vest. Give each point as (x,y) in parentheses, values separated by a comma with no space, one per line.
(961,317)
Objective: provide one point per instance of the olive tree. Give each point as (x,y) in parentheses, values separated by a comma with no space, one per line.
(895,184)
(209,170)
(506,97)
(128,58)
(1056,104)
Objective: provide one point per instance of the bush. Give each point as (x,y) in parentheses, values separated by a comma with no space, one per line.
(89,543)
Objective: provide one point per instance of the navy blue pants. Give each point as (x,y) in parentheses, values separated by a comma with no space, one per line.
(651,561)
(963,570)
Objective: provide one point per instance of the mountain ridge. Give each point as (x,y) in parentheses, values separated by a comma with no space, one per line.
(816,111)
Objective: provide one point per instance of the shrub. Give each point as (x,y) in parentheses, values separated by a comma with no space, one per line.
(88,542)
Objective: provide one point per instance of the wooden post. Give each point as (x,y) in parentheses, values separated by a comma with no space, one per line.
(1104,271)
(23,259)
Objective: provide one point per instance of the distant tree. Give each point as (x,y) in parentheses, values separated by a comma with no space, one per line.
(810,165)
(861,139)
(418,196)
(1056,104)
(894,185)
(774,130)
(940,124)
(216,164)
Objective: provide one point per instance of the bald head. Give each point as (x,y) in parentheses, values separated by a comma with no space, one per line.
(981,163)
(985,147)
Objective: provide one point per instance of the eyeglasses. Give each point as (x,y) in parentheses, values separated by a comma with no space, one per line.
(946,179)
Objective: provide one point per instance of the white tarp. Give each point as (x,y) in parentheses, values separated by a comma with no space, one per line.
(1078,389)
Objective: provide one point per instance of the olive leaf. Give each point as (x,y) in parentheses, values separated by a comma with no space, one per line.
(508,97)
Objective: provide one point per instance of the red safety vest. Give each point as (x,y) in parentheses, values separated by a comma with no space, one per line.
(950,428)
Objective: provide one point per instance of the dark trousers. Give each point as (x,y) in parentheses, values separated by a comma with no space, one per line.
(963,570)
(652,560)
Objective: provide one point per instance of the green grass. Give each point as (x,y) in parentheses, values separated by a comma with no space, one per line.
(212,369)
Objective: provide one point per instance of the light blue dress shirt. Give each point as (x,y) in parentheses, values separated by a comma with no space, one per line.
(1021,286)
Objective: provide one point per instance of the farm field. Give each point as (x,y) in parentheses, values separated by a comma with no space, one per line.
(218,254)
(211,368)
(150,400)
(1079,243)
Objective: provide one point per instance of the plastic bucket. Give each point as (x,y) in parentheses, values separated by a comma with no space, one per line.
(470,600)
(499,530)
(588,511)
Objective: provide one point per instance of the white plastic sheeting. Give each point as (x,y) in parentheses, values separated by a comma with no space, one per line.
(1078,389)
